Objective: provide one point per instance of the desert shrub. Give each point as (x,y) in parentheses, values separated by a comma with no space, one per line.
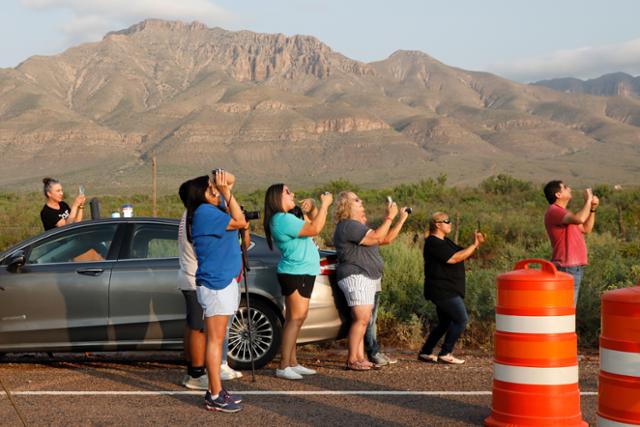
(504,184)
(509,211)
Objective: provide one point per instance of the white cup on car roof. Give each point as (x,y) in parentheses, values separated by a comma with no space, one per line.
(127,211)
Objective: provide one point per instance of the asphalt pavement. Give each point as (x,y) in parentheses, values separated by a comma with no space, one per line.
(142,389)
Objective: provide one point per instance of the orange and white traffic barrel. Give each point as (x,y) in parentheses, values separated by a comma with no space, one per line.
(536,349)
(619,379)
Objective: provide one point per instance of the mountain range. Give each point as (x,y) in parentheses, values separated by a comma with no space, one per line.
(614,84)
(275,108)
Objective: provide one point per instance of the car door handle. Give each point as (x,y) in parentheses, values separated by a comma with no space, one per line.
(90,271)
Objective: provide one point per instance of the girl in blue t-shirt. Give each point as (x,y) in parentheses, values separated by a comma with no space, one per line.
(213,218)
(297,269)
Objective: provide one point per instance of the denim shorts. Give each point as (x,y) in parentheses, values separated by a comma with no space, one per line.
(221,302)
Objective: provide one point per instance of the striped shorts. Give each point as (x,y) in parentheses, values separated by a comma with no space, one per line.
(359,289)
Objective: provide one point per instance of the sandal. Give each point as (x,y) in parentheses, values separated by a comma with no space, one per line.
(371,365)
(357,366)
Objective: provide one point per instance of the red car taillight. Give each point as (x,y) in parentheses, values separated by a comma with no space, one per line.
(328,265)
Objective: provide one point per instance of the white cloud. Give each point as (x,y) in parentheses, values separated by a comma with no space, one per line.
(584,62)
(91,19)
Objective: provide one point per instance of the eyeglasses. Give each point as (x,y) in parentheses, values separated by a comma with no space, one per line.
(444,221)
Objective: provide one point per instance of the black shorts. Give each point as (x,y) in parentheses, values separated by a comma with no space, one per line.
(195,318)
(303,283)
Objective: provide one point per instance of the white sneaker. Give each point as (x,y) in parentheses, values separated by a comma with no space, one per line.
(200,383)
(449,358)
(288,374)
(299,369)
(228,373)
(390,360)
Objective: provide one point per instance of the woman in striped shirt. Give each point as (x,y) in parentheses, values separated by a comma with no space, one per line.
(360,265)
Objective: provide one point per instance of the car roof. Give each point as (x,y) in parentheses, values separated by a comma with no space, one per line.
(89,222)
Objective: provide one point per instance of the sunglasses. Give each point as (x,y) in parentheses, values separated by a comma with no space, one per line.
(444,221)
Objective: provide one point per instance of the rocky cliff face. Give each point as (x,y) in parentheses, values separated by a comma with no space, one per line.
(290,108)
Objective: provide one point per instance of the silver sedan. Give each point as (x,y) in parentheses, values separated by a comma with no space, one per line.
(110,284)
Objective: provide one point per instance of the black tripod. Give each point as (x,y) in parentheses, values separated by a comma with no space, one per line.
(249,322)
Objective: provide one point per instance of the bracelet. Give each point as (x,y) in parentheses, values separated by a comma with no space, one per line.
(81,207)
(388,218)
(593,210)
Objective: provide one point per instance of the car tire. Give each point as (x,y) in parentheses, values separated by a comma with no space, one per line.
(267,335)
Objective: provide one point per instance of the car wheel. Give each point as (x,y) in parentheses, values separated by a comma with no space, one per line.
(267,333)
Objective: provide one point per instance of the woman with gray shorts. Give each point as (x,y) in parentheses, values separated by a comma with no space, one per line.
(360,265)
(213,221)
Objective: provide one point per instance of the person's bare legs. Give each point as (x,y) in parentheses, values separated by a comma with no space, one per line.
(216,328)
(295,315)
(360,319)
(197,347)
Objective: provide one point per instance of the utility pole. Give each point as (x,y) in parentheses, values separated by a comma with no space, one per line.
(154,186)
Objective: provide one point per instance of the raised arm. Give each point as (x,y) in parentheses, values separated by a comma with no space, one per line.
(238,222)
(468,251)
(395,230)
(377,236)
(581,216)
(313,228)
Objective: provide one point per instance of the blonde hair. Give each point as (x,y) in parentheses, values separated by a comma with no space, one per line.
(343,206)
(437,216)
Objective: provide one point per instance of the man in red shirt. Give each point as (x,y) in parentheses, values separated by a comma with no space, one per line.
(566,230)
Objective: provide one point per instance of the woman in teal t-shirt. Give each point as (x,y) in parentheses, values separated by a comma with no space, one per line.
(297,269)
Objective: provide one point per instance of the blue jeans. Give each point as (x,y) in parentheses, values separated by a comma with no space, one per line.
(577,271)
(452,319)
(370,336)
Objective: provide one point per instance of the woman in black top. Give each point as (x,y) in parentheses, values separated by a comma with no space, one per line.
(56,213)
(444,285)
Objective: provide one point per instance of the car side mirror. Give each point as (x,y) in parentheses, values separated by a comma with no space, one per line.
(16,261)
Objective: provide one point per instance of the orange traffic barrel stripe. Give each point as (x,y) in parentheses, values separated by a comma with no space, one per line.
(619,379)
(535,365)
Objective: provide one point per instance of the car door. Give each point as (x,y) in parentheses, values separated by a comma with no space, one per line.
(146,309)
(58,300)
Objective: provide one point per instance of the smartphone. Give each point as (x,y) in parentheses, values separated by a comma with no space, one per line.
(389,199)
(81,190)
(478,225)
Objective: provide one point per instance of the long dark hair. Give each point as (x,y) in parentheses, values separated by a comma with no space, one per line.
(195,196)
(272,205)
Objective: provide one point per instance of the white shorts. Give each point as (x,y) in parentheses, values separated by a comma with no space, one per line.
(223,302)
(358,289)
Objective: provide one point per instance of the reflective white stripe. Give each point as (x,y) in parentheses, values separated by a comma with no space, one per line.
(536,324)
(620,362)
(535,376)
(603,422)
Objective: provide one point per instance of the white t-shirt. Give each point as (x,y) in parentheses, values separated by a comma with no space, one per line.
(188,260)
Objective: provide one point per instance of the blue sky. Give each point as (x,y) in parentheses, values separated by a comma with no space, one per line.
(518,39)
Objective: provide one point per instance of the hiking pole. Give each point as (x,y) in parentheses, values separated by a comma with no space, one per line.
(245,269)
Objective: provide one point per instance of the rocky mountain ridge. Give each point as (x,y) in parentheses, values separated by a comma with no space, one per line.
(279,108)
(613,84)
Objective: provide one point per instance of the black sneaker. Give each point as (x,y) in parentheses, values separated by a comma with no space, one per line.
(220,404)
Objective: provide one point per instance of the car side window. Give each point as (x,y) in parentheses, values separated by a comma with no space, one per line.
(84,244)
(154,241)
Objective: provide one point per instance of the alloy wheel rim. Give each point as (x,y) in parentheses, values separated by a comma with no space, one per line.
(240,346)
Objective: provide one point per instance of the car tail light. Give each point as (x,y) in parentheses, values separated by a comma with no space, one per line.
(328,265)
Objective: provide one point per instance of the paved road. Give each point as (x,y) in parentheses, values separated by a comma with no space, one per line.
(141,389)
